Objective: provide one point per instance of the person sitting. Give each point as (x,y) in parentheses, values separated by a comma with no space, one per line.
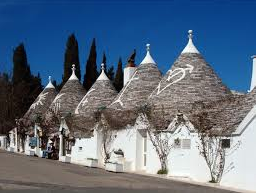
(50,151)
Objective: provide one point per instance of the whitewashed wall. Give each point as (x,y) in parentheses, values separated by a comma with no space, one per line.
(241,174)
(13,141)
(85,148)
(181,162)
(187,162)
(126,141)
(3,142)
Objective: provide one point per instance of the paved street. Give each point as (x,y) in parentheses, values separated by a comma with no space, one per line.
(19,173)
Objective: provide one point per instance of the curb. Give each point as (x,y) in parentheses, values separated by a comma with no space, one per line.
(190,181)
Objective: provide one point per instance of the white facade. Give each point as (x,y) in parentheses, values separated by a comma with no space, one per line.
(184,159)
(87,148)
(241,173)
(253,80)
(3,142)
(14,146)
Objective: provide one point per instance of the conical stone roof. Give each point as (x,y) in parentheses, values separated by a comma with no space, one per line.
(136,91)
(190,79)
(98,97)
(69,96)
(229,113)
(42,102)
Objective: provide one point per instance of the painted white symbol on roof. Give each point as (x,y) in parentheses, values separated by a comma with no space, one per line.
(40,100)
(181,72)
(126,86)
(83,101)
(56,102)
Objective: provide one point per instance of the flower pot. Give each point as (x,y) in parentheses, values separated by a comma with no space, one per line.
(114,167)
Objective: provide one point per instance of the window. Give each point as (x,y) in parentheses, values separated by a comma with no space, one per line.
(144,151)
(225,143)
(80,148)
(177,143)
(182,143)
(186,143)
(145,144)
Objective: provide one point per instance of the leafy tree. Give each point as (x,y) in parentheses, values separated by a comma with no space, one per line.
(71,57)
(118,81)
(91,72)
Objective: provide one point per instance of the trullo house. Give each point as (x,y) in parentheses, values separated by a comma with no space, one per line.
(28,137)
(60,115)
(88,138)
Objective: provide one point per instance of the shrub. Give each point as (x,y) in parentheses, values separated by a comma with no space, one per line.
(162,171)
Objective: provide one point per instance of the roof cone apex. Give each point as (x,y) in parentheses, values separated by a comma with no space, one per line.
(102,75)
(73,76)
(50,85)
(148,58)
(190,47)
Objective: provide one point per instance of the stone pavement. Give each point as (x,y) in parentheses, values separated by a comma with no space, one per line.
(20,173)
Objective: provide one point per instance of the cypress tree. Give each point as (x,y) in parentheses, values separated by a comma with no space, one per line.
(25,87)
(118,82)
(6,114)
(71,57)
(21,69)
(91,72)
(111,73)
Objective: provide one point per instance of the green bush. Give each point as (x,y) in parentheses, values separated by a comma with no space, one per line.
(162,171)
(212,181)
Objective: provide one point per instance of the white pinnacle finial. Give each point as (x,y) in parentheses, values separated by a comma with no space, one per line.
(73,68)
(148,59)
(73,76)
(50,85)
(190,48)
(190,34)
(148,47)
(102,75)
(102,67)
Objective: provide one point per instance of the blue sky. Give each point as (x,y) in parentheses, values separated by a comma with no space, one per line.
(224,32)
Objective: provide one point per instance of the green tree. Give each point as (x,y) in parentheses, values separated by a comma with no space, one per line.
(6,113)
(118,81)
(21,69)
(71,57)
(91,72)
(25,86)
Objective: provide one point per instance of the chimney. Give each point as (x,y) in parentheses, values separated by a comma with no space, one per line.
(253,80)
(130,68)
